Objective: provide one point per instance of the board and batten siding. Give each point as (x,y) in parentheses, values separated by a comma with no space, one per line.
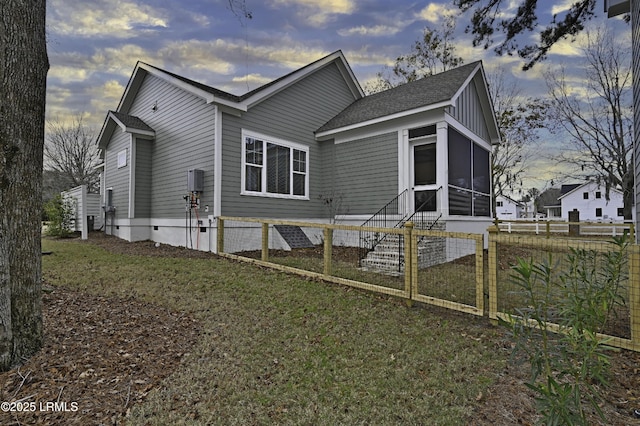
(468,111)
(291,115)
(365,173)
(184,126)
(118,178)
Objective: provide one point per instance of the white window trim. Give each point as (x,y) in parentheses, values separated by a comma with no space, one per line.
(270,139)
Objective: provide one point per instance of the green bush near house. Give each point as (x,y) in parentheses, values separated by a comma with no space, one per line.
(60,213)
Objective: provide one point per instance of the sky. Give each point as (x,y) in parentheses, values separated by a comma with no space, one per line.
(94,45)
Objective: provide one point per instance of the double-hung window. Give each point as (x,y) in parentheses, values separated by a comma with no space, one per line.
(273,167)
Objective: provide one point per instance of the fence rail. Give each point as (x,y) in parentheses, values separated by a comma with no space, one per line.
(445,269)
(549,228)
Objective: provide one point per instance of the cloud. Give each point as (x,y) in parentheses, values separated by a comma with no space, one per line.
(105,97)
(434,12)
(562,6)
(199,55)
(252,79)
(373,31)
(315,13)
(113,19)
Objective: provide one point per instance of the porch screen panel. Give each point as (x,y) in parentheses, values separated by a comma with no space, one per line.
(459,202)
(481,182)
(481,176)
(469,177)
(459,160)
(481,205)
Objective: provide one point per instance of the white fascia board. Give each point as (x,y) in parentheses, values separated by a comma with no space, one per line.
(331,133)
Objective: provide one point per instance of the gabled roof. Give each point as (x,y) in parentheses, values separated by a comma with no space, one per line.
(127,123)
(566,190)
(235,102)
(517,203)
(229,102)
(431,92)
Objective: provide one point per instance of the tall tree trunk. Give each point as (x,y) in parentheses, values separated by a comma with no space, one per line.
(23,71)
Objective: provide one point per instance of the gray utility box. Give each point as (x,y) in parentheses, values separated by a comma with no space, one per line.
(195,180)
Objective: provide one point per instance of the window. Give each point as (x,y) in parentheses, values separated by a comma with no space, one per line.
(275,168)
(498,203)
(122,158)
(598,212)
(585,195)
(469,177)
(422,131)
(598,195)
(620,211)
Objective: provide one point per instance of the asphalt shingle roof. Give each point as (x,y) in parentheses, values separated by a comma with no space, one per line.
(131,121)
(426,91)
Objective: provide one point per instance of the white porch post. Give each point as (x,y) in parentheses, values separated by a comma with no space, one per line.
(442,168)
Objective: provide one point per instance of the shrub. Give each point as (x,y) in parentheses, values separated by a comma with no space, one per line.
(567,367)
(60,213)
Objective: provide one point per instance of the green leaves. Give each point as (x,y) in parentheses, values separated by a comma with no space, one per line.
(576,300)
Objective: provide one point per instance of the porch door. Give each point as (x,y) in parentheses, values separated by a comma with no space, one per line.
(423,177)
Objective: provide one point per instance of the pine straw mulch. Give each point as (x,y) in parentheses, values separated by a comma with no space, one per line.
(101,355)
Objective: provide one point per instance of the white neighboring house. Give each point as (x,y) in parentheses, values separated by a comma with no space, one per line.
(591,201)
(509,209)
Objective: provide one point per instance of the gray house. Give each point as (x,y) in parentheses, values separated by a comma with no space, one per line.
(178,153)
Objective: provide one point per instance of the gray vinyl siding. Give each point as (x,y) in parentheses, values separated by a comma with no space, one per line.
(365,173)
(184,128)
(291,115)
(143,178)
(468,111)
(118,178)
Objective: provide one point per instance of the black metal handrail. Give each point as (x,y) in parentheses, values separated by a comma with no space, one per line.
(370,239)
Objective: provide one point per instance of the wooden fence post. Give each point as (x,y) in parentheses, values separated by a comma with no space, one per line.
(493,274)
(265,242)
(480,273)
(328,251)
(409,267)
(220,242)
